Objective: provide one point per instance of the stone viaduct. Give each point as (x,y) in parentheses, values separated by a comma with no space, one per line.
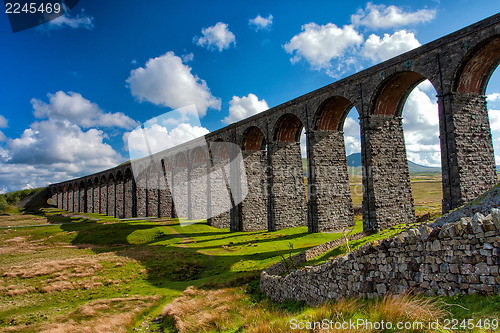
(458,65)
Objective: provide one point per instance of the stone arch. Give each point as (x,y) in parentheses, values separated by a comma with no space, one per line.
(219,197)
(180,184)
(152,184)
(329,194)
(103,195)
(129,194)
(253,139)
(140,175)
(288,128)
(198,182)
(391,94)
(166,208)
(119,195)
(76,197)
(111,189)
(476,68)
(90,196)
(70,203)
(83,197)
(332,113)
(286,182)
(253,208)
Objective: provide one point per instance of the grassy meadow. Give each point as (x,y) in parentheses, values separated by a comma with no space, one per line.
(63,272)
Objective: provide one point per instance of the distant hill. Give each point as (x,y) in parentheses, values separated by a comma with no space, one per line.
(354,161)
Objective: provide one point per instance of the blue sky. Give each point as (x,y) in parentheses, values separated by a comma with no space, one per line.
(72,89)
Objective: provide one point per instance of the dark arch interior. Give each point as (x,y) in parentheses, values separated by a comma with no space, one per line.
(288,128)
(166,166)
(475,72)
(199,156)
(103,180)
(253,139)
(332,113)
(393,92)
(111,178)
(119,176)
(128,174)
(181,161)
(82,184)
(220,150)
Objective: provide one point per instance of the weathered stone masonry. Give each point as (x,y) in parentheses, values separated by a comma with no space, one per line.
(463,257)
(458,66)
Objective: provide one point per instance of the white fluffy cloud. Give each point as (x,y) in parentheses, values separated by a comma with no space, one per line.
(389,46)
(352,140)
(494,97)
(217,37)
(166,81)
(261,23)
(81,20)
(63,145)
(381,16)
(421,128)
(160,138)
(244,107)
(3,122)
(80,111)
(318,45)
(54,150)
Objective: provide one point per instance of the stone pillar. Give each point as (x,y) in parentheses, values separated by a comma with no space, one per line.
(467,158)
(198,192)
(387,198)
(165,200)
(120,200)
(111,197)
(141,192)
(83,200)
(180,193)
(90,197)
(152,193)
(254,206)
(103,202)
(220,200)
(330,202)
(288,188)
(76,199)
(97,197)
(60,199)
(129,196)
(70,200)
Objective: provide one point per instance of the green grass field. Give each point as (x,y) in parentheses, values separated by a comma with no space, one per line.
(107,275)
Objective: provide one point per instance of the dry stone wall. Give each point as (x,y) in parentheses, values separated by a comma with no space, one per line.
(460,257)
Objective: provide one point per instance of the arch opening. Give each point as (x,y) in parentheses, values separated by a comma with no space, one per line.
(475,71)
(288,129)
(253,139)
(391,95)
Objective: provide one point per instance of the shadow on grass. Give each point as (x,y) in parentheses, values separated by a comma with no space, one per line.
(170,262)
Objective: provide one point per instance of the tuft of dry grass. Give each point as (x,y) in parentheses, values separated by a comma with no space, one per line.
(103,315)
(199,310)
(76,267)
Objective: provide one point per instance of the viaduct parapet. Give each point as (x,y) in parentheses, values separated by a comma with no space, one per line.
(458,65)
